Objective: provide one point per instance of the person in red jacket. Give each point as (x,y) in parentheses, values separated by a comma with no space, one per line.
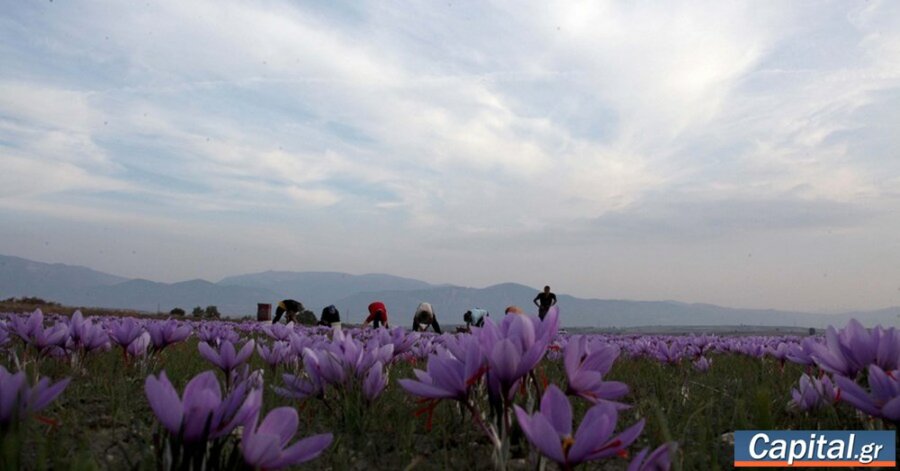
(377,315)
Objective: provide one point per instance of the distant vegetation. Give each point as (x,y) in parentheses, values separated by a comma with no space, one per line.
(30,300)
(211,312)
(307,317)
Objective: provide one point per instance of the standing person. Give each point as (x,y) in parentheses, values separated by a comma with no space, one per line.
(330,316)
(377,315)
(544,301)
(424,318)
(475,316)
(289,307)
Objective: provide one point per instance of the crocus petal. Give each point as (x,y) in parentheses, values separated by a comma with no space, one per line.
(541,434)
(164,401)
(282,422)
(573,354)
(305,450)
(260,450)
(601,360)
(638,461)
(245,353)
(596,427)
(556,408)
(210,354)
(891,410)
(505,361)
(11,392)
(618,443)
(855,395)
(226,355)
(45,395)
(424,390)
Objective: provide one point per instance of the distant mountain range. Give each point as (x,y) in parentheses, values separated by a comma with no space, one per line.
(238,296)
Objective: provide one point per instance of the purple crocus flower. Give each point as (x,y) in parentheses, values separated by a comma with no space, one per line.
(125,331)
(585,367)
(658,460)
(374,382)
(448,377)
(27,327)
(550,430)
(800,353)
(4,335)
(702,364)
(330,364)
(279,331)
(165,333)
(313,385)
(813,393)
(215,334)
(884,399)
(779,353)
(512,349)
(18,399)
(887,355)
(226,358)
(31,330)
(852,349)
(87,335)
(278,353)
(200,413)
(138,347)
(357,357)
(264,446)
(668,352)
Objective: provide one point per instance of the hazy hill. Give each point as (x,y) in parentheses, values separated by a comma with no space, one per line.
(238,295)
(54,281)
(450,302)
(318,289)
(147,295)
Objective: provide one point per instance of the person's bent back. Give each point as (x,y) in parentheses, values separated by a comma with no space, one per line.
(377,315)
(475,316)
(289,307)
(425,318)
(330,316)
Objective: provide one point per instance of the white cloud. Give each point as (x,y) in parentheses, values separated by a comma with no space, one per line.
(428,124)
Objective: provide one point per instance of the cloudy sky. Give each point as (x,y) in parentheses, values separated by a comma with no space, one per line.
(744,154)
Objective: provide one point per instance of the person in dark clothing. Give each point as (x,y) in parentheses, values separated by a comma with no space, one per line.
(544,301)
(289,307)
(330,315)
(377,315)
(425,318)
(475,316)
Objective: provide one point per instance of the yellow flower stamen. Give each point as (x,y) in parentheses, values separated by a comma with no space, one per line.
(567,443)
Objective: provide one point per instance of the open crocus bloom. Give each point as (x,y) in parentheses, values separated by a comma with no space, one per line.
(227,357)
(884,399)
(200,413)
(550,430)
(264,447)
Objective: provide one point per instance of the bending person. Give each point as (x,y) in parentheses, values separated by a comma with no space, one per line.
(475,316)
(425,318)
(330,316)
(513,310)
(377,315)
(289,307)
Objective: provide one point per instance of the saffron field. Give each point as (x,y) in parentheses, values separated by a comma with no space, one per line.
(102,392)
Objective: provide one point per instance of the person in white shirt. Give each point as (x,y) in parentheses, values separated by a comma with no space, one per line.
(425,318)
